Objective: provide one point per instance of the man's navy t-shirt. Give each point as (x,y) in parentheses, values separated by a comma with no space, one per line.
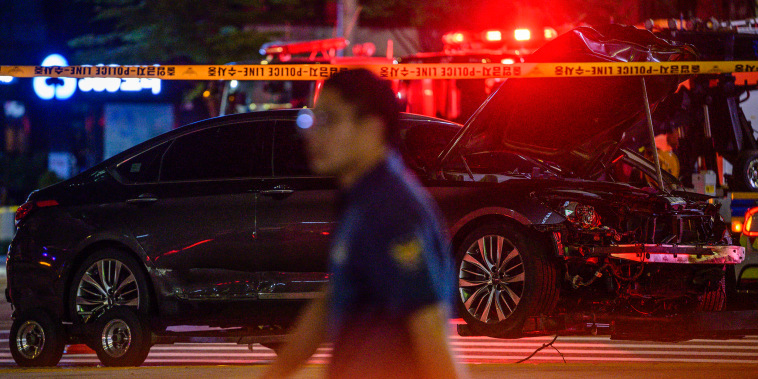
(389,258)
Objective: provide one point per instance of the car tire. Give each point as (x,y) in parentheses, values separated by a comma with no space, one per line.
(37,339)
(745,171)
(713,300)
(500,289)
(108,278)
(122,337)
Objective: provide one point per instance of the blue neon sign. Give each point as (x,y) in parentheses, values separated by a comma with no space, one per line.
(60,88)
(64,88)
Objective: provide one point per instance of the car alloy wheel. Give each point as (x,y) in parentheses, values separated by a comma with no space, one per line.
(491,279)
(105,284)
(505,275)
(107,279)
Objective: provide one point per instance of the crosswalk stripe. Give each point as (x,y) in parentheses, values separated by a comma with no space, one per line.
(620,346)
(613,352)
(604,359)
(466,349)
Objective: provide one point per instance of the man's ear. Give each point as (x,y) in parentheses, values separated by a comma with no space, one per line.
(374,125)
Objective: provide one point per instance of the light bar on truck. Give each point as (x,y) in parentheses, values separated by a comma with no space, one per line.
(493,35)
(522,35)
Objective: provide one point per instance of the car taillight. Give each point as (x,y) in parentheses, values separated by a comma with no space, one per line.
(24,210)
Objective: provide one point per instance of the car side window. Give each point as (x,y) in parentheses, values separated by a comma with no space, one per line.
(222,152)
(289,151)
(142,168)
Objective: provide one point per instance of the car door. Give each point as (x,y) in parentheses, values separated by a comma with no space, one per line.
(295,217)
(197,222)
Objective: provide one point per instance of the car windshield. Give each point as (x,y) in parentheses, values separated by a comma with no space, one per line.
(636,170)
(260,95)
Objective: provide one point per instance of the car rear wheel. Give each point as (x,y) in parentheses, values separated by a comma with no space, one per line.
(503,278)
(107,279)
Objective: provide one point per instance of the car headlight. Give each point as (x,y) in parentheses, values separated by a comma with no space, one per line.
(582,216)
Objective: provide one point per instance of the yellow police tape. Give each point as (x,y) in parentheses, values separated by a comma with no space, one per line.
(406,71)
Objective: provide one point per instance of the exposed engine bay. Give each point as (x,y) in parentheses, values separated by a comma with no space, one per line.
(640,253)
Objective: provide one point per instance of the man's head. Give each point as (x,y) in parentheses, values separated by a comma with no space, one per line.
(356,120)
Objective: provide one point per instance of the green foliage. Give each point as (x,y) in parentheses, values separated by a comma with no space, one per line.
(428,14)
(162,31)
(20,174)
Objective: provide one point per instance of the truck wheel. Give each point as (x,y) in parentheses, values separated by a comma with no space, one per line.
(746,171)
(504,277)
(122,337)
(37,339)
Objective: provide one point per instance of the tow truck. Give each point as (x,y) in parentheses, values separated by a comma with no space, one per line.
(712,114)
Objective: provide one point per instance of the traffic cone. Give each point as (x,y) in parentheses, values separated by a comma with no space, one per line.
(78,349)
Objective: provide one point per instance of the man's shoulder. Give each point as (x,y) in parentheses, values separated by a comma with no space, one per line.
(401,195)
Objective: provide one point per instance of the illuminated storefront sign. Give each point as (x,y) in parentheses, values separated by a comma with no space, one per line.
(60,88)
(63,88)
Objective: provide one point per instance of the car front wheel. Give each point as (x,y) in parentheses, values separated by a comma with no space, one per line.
(504,277)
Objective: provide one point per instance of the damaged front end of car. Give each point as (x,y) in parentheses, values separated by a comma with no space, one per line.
(630,252)
(630,244)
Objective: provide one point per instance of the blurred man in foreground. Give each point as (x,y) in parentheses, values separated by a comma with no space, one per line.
(386,306)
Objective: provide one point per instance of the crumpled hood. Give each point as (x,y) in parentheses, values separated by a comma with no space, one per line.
(575,123)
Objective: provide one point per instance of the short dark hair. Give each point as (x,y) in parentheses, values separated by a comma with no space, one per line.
(371,95)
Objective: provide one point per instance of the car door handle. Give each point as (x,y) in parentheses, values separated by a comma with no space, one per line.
(145,198)
(278,191)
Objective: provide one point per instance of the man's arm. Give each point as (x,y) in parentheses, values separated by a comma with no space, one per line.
(428,332)
(310,331)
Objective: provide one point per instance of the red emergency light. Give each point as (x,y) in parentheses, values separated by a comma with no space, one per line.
(522,35)
(494,39)
(455,38)
(493,35)
(550,33)
(310,47)
(750,230)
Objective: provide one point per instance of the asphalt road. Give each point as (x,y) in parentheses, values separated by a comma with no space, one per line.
(584,356)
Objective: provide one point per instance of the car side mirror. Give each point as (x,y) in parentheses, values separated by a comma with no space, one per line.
(748,280)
